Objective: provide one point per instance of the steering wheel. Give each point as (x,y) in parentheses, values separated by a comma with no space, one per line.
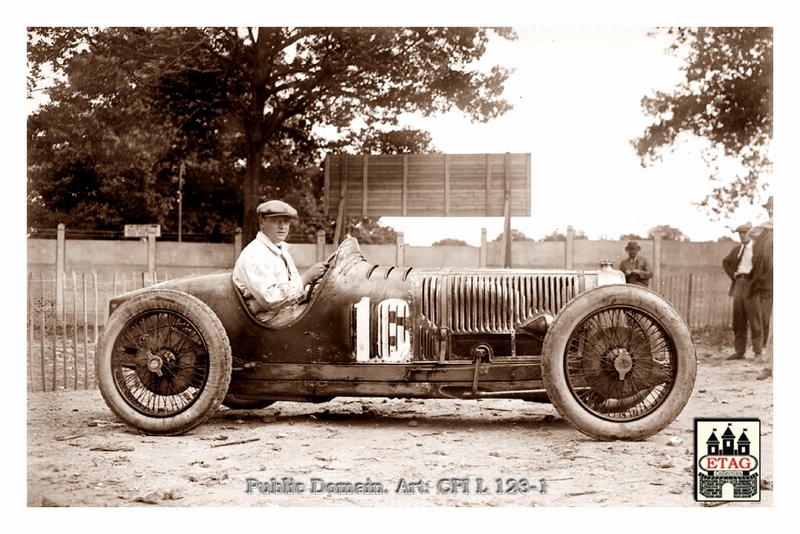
(313,285)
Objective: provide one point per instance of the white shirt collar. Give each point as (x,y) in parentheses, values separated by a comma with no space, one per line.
(277,248)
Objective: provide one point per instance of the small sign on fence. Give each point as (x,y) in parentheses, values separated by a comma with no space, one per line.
(141,230)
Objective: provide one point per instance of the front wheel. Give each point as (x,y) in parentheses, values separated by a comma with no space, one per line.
(619,363)
(164,362)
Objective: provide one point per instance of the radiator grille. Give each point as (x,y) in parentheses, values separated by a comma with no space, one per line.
(494,303)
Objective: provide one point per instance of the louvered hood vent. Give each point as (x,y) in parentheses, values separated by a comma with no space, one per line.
(494,303)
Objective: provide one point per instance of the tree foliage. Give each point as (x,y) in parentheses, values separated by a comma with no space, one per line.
(369,231)
(668,233)
(516,235)
(631,237)
(450,241)
(726,99)
(558,236)
(241,108)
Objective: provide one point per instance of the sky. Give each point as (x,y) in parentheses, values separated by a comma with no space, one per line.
(576,94)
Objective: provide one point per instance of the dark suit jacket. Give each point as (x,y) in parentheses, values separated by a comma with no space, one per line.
(761,279)
(730,264)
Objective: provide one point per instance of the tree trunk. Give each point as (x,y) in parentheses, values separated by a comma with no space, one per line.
(252,197)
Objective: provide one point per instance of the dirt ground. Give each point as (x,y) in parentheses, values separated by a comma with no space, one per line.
(419,451)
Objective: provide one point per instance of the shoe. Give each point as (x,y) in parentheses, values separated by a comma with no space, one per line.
(757,356)
(764,374)
(735,356)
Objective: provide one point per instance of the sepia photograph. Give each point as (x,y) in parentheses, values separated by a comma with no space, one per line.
(425,263)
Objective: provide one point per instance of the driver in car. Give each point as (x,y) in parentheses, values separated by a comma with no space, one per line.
(265,272)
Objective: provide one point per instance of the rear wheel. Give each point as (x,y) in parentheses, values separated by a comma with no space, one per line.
(619,363)
(164,362)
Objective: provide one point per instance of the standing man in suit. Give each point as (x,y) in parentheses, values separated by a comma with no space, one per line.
(761,283)
(738,265)
(637,269)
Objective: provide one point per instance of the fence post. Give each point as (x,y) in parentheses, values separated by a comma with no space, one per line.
(484,248)
(570,243)
(60,267)
(689,301)
(151,252)
(74,328)
(320,245)
(656,258)
(44,339)
(85,337)
(237,244)
(401,252)
(31,330)
(97,304)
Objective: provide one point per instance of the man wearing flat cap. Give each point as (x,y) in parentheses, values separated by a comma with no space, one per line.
(738,265)
(637,269)
(265,272)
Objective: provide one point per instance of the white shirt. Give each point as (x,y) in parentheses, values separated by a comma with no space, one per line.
(266,272)
(745,259)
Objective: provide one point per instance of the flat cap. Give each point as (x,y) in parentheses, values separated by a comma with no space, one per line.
(744,227)
(633,245)
(276,208)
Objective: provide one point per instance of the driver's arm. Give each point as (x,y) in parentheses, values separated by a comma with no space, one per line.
(315,272)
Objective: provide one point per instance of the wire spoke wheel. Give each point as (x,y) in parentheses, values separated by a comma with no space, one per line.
(163,362)
(618,362)
(160,363)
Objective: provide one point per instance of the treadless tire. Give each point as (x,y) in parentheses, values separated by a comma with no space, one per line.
(619,363)
(164,362)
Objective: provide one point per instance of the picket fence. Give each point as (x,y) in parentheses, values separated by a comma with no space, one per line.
(63,333)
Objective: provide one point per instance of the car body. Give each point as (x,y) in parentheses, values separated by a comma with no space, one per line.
(616,360)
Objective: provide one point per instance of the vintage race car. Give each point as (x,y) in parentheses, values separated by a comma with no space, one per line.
(616,360)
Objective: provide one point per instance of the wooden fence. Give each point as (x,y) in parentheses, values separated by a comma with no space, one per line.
(63,333)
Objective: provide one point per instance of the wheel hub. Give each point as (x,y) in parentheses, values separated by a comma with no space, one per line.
(155,363)
(623,362)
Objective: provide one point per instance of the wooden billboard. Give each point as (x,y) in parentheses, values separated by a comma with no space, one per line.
(428,185)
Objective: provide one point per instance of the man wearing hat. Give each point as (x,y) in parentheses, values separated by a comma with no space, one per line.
(738,265)
(761,282)
(265,272)
(637,270)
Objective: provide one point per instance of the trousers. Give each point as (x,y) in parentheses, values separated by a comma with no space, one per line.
(746,312)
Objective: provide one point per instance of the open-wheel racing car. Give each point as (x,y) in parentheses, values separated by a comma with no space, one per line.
(616,360)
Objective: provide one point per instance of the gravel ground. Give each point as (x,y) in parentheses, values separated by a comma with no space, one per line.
(418,453)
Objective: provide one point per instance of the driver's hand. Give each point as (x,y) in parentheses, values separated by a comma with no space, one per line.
(315,272)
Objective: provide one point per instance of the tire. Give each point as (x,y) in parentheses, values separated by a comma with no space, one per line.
(163,362)
(619,363)
(235,403)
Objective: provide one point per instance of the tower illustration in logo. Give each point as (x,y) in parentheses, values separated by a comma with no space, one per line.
(729,469)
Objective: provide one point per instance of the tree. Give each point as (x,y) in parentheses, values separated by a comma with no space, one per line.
(558,236)
(397,141)
(668,233)
(369,231)
(450,241)
(262,95)
(516,235)
(631,237)
(725,99)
